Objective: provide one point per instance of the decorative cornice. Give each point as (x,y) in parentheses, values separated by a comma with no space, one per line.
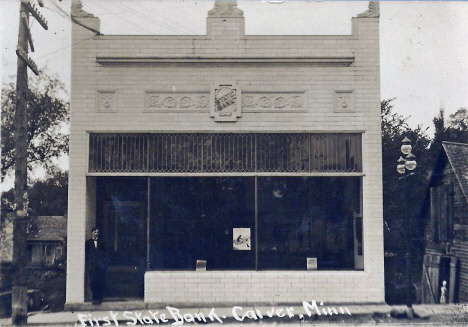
(326,61)
(225,8)
(372,12)
(77,10)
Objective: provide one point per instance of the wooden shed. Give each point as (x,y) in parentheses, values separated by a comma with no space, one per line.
(446,252)
(47,241)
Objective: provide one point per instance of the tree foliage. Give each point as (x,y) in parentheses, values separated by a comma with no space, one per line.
(455,129)
(403,201)
(47,111)
(396,200)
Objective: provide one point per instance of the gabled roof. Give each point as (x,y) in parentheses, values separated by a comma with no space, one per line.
(457,154)
(49,228)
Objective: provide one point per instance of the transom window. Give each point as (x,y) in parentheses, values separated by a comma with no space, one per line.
(225,153)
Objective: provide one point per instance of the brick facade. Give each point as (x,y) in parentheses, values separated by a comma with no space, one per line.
(127,67)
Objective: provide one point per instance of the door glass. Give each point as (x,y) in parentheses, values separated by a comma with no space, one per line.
(121,212)
(125,225)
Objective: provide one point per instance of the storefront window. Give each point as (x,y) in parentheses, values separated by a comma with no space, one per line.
(306,217)
(256,214)
(195,218)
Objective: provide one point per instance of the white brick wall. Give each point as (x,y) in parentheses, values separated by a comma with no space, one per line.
(227,39)
(215,288)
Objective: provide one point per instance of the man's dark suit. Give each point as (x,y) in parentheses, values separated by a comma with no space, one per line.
(97,266)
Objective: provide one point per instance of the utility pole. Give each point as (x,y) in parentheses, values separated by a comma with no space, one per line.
(19,307)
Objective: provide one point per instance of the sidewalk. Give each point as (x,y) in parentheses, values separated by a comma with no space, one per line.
(361,315)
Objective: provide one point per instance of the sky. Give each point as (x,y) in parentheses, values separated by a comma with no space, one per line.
(423,45)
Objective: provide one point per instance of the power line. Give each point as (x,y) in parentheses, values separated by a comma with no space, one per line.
(96,3)
(138,14)
(176,27)
(64,48)
(73,20)
(57,12)
(186,30)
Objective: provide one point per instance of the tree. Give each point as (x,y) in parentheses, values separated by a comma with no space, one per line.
(47,139)
(459,120)
(47,197)
(48,114)
(394,129)
(399,208)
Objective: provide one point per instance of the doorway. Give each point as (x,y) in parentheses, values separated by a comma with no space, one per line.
(122,211)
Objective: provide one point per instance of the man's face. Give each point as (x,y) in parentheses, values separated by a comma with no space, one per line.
(96,234)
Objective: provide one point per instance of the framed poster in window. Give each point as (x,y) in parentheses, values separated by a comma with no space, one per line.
(241,240)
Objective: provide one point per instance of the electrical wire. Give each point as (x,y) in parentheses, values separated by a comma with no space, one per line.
(68,16)
(138,14)
(64,48)
(176,27)
(107,9)
(57,12)
(186,30)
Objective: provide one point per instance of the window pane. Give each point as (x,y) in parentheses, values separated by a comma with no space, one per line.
(193,219)
(283,152)
(306,217)
(228,153)
(118,153)
(175,153)
(336,153)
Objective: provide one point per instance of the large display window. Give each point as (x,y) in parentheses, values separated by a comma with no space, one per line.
(213,219)
(245,201)
(307,217)
(194,219)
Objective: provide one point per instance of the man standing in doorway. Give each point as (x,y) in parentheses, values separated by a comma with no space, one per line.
(96,264)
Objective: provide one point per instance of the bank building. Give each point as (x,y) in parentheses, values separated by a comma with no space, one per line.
(227,168)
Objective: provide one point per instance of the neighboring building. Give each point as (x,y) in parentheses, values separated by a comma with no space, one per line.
(6,251)
(47,240)
(259,156)
(446,256)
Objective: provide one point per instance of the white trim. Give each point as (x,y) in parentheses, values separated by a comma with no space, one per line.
(237,131)
(323,61)
(87,151)
(238,273)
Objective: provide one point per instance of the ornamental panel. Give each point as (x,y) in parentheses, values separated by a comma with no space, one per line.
(106,101)
(226,102)
(176,102)
(274,101)
(344,101)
